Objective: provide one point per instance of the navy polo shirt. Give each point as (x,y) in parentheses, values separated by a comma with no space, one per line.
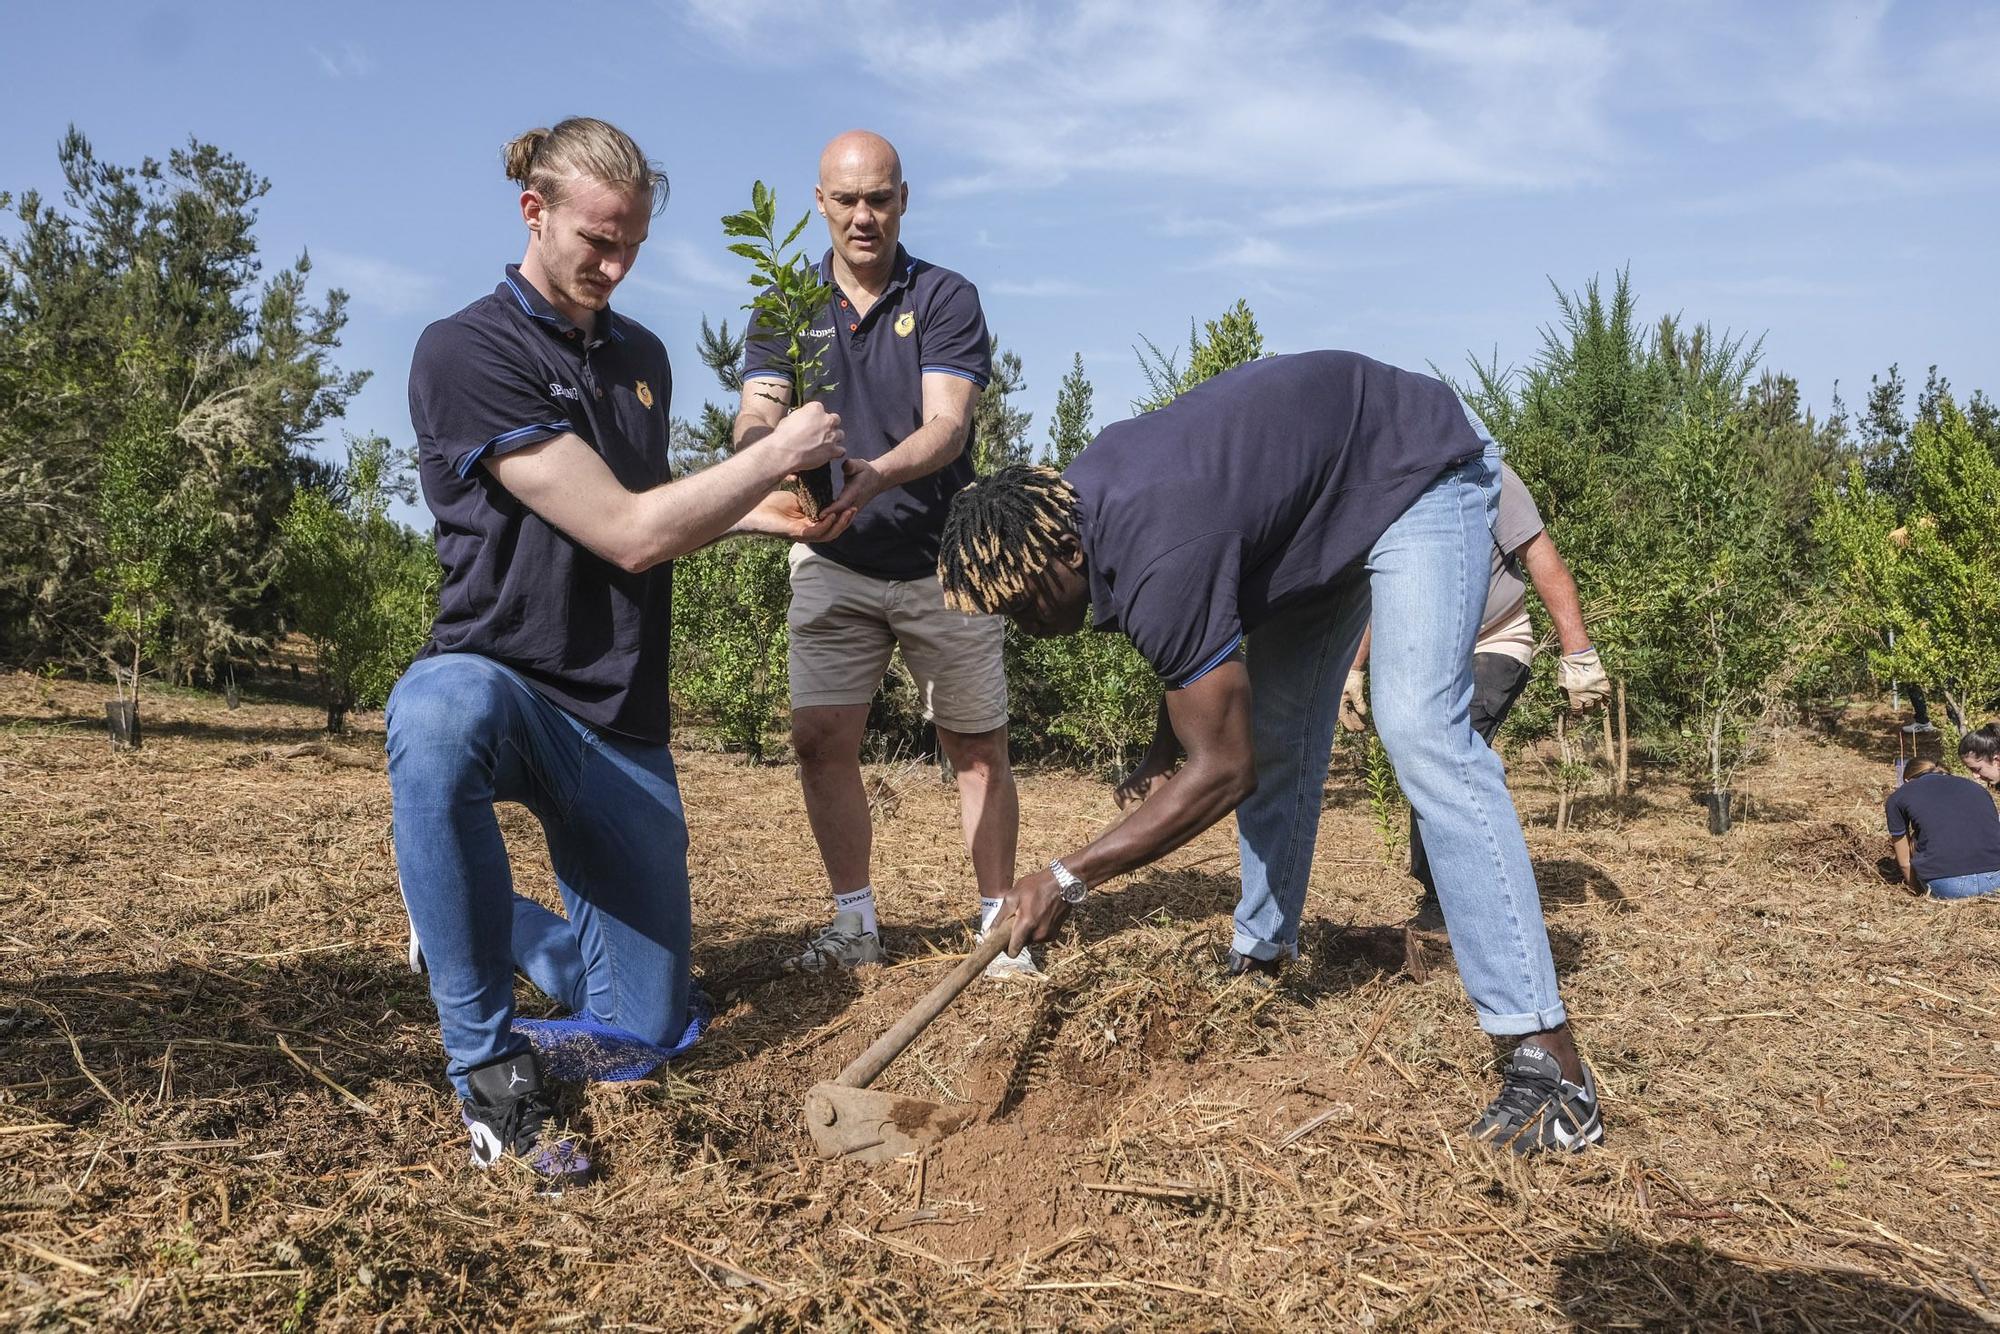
(1251,493)
(927,322)
(1957,828)
(506,372)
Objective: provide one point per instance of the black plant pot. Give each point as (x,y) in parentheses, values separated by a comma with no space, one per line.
(122,717)
(1718,812)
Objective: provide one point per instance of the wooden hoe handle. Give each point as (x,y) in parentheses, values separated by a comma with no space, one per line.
(861,1071)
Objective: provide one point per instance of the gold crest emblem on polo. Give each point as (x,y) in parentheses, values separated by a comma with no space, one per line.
(906,322)
(645,393)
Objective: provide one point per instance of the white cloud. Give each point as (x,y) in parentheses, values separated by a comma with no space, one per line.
(1037,288)
(1846,183)
(675,266)
(1262,96)
(1255,253)
(348,60)
(380,284)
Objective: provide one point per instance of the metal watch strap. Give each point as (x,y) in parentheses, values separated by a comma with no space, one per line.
(1073,888)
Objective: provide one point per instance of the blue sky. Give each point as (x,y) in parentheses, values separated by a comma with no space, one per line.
(1403,179)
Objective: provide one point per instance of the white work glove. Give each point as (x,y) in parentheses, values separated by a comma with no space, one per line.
(1581,675)
(1354,702)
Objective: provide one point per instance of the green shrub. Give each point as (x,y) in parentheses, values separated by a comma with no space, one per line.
(728,662)
(363,588)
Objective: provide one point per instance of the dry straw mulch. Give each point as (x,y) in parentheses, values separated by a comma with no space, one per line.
(220,1105)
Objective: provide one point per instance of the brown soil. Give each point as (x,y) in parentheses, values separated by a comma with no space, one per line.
(220,1103)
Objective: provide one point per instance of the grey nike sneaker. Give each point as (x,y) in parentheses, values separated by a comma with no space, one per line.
(1538,1110)
(843,944)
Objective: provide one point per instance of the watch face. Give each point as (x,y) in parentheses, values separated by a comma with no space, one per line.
(1073,893)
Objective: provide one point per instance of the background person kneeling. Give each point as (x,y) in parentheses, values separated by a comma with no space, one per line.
(1955,829)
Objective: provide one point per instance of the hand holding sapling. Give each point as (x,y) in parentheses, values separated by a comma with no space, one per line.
(790,298)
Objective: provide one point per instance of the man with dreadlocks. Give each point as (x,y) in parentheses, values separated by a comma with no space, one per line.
(1238,537)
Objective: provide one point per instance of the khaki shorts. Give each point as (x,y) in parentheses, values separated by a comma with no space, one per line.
(844,626)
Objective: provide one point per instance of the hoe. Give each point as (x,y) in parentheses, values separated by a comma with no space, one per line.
(850,1120)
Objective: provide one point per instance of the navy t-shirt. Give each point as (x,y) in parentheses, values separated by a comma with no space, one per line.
(509,371)
(927,322)
(1253,492)
(1957,828)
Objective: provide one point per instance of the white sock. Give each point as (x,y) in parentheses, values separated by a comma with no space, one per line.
(862,901)
(988,910)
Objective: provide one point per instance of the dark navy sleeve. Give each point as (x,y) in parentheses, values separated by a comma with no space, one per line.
(765,355)
(1180,611)
(1899,820)
(469,400)
(954,337)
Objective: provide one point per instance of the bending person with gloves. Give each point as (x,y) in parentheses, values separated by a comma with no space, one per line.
(1505,648)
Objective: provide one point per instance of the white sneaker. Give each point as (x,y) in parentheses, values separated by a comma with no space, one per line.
(1012,967)
(843,944)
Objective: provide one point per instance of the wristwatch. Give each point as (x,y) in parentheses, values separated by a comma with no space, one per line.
(1073,888)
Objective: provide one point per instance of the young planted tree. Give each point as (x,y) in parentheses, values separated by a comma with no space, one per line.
(1733,609)
(363,588)
(790,300)
(1927,570)
(147,524)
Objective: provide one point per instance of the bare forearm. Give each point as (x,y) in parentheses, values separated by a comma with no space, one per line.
(1189,802)
(1557,589)
(752,426)
(684,516)
(925,450)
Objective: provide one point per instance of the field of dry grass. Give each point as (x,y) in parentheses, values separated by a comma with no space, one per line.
(221,1103)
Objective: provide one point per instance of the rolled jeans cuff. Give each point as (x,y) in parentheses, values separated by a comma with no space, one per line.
(1252,948)
(1518,1025)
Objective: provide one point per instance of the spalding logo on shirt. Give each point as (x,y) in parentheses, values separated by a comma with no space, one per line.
(645,393)
(906,322)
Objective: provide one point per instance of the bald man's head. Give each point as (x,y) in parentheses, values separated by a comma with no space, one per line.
(859,150)
(862,195)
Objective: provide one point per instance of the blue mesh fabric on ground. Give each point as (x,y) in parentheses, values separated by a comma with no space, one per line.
(578,1049)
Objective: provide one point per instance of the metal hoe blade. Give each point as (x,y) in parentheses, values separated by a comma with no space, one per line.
(848,1119)
(870,1126)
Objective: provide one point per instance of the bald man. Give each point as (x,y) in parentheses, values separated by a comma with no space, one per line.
(907,353)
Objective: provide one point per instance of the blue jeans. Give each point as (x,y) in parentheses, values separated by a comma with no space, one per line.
(1964,886)
(1426,578)
(466,732)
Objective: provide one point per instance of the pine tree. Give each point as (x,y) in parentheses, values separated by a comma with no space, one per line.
(1218,346)
(1069,428)
(999,429)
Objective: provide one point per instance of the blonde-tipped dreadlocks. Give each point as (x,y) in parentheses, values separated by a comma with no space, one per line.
(1000,534)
